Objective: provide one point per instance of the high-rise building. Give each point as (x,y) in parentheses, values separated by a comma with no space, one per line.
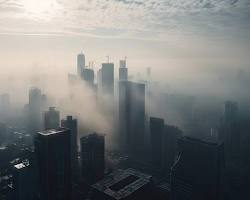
(169,147)
(51,119)
(131,115)
(230,111)
(107,84)
(3,133)
(71,124)
(92,157)
(198,170)
(34,110)
(52,149)
(156,133)
(229,131)
(23,181)
(164,144)
(123,64)
(123,71)
(88,76)
(80,63)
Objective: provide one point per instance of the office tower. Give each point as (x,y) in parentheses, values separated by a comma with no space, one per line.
(34,110)
(123,71)
(229,131)
(80,63)
(126,184)
(23,181)
(123,64)
(44,102)
(51,119)
(169,147)
(230,111)
(92,157)
(198,170)
(132,115)
(3,133)
(156,132)
(107,84)
(52,149)
(164,144)
(71,124)
(88,76)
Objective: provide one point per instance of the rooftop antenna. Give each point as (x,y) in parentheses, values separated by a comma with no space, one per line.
(108,58)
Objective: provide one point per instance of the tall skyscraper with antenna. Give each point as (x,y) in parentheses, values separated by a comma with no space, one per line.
(80,63)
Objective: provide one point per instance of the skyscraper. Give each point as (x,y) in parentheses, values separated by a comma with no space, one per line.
(230,111)
(80,63)
(71,124)
(88,76)
(123,71)
(107,84)
(164,144)
(92,157)
(229,131)
(156,132)
(52,149)
(23,181)
(169,147)
(34,110)
(131,115)
(51,119)
(198,170)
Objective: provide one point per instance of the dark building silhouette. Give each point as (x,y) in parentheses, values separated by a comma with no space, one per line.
(123,71)
(169,147)
(198,171)
(156,132)
(51,119)
(88,76)
(107,79)
(164,144)
(126,184)
(92,157)
(230,131)
(132,115)
(44,102)
(23,181)
(34,110)
(71,124)
(80,63)
(231,110)
(3,133)
(52,149)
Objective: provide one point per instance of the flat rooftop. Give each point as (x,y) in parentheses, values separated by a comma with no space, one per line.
(122,183)
(51,131)
(22,165)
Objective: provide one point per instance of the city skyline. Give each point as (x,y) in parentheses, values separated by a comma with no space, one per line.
(174,37)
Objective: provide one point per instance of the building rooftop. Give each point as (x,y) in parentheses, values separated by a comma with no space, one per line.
(52,131)
(122,183)
(22,165)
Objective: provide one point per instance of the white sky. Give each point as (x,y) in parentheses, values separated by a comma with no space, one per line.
(177,36)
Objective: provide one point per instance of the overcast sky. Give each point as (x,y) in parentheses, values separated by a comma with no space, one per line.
(179,36)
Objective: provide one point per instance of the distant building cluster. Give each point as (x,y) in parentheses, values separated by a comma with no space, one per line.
(44,156)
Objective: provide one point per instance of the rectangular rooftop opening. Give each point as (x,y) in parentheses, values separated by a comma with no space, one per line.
(123,183)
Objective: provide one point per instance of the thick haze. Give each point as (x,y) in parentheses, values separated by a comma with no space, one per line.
(197,44)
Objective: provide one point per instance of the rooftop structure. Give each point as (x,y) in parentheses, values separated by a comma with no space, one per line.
(52,131)
(122,184)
